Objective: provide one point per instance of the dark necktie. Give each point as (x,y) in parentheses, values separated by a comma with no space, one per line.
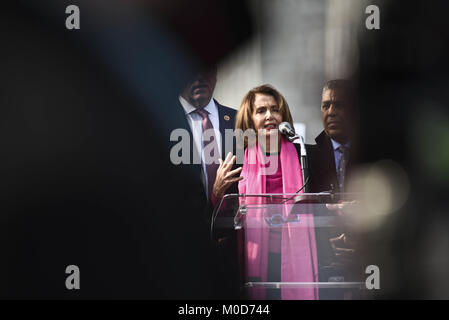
(341,170)
(210,150)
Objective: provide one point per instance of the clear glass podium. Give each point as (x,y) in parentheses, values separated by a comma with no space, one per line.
(291,246)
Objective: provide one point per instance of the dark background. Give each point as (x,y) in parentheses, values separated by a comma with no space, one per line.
(85,176)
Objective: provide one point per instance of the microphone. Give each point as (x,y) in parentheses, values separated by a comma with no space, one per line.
(286,129)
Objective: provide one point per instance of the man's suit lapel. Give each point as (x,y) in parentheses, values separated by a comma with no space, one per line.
(327,159)
(226,122)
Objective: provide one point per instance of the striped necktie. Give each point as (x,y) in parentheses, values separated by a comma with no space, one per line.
(341,170)
(210,150)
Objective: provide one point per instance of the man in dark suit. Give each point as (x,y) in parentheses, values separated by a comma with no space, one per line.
(329,163)
(207,122)
(203,123)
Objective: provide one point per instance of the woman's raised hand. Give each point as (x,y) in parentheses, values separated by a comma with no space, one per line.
(225,176)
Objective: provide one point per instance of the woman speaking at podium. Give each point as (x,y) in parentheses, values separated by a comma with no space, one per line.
(274,250)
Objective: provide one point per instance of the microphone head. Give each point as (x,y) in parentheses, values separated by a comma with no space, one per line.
(286,129)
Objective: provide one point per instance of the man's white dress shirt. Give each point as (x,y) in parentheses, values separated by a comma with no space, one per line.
(195,123)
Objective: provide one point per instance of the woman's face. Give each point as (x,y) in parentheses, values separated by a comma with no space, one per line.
(266,113)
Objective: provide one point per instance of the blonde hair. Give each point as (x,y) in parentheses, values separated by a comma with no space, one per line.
(244,115)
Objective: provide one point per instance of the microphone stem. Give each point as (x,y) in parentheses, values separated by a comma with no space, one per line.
(305,172)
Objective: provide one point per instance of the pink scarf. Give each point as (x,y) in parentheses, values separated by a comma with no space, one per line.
(298,246)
